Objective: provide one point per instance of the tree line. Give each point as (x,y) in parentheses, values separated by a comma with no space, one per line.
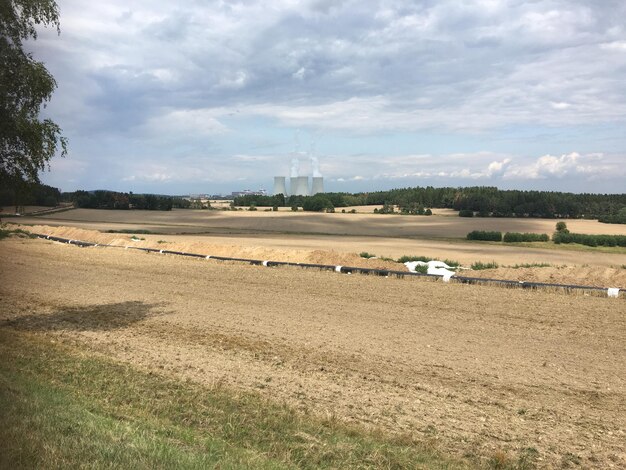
(483,201)
(123,201)
(24,193)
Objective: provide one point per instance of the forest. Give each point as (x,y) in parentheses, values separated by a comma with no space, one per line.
(482,201)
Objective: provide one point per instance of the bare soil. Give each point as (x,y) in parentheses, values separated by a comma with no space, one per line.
(567,267)
(373,225)
(473,370)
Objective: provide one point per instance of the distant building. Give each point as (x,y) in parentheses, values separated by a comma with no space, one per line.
(249,192)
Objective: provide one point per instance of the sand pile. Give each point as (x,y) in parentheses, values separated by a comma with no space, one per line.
(207,248)
(595,276)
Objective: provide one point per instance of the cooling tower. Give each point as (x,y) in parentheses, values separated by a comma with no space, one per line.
(293,185)
(300,186)
(279,185)
(318,185)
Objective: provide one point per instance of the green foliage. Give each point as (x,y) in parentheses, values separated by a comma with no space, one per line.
(561,227)
(181,203)
(413,208)
(17,192)
(484,236)
(365,254)
(317,203)
(121,201)
(491,201)
(386,209)
(6,232)
(618,218)
(466,213)
(531,265)
(130,231)
(423,269)
(294,208)
(26,143)
(406,258)
(514,237)
(479,265)
(589,240)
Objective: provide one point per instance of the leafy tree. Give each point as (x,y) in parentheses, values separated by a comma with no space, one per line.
(26,143)
(561,227)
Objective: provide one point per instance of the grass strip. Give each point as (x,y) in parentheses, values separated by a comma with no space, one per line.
(63,408)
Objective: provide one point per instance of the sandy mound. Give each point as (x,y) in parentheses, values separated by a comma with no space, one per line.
(576,275)
(206,248)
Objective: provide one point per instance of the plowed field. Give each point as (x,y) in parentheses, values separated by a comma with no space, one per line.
(474,370)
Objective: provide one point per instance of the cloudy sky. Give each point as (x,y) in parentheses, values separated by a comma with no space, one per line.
(217,96)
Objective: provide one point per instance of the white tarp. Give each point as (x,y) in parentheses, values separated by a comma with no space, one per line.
(613,292)
(438,268)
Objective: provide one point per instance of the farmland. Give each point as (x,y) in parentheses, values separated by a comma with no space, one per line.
(477,373)
(341,371)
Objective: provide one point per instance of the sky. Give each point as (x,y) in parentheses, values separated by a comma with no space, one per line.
(220,96)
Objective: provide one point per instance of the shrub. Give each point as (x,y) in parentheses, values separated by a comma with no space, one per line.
(479,265)
(421,269)
(365,254)
(428,212)
(589,240)
(485,236)
(466,213)
(450,262)
(512,237)
(561,227)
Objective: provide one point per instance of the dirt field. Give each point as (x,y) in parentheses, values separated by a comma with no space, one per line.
(567,266)
(475,370)
(372,225)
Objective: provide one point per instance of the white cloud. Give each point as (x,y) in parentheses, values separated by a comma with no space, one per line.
(195,80)
(572,164)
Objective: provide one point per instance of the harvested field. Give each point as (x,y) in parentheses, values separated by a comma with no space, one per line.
(567,267)
(474,370)
(372,225)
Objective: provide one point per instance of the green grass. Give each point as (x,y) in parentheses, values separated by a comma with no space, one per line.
(479,265)
(531,265)
(63,408)
(365,254)
(5,233)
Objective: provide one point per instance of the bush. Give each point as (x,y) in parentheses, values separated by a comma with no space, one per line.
(589,240)
(365,254)
(485,236)
(512,237)
(479,265)
(450,262)
(466,213)
(561,227)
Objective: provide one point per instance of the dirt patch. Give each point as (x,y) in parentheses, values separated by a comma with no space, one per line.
(472,369)
(575,275)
